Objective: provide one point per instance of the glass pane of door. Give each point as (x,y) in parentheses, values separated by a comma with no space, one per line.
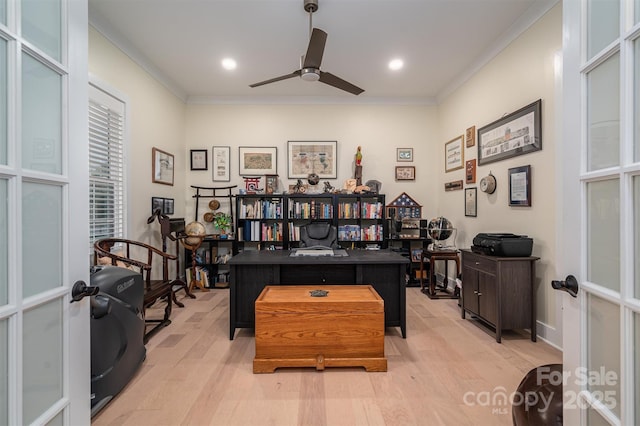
(4,250)
(41,238)
(4,372)
(603,351)
(41,117)
(636,366)
(636,100)
(42,24)
(603,115)
(603,233)
(636,241)
(3,12)
(603,25)
(3,101)
(42,359)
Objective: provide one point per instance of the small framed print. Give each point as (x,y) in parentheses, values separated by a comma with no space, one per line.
(157,203)
(256,160)
(405,173)
(270,184)
(199,159)
(404,154)
(220,163)
(454,154)
(471,202)
(168,206)
(162,167)
(470,136)
(470,171)
(520,186)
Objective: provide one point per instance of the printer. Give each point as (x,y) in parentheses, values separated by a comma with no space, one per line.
(505,245)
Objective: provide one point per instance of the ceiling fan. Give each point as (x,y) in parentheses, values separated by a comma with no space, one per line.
(310,63)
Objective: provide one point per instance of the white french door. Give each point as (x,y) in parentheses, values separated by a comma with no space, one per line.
(44,340)
(600,211)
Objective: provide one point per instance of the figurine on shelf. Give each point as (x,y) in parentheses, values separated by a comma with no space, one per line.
(359,156)
(328,188)
(349,185)
(299,187)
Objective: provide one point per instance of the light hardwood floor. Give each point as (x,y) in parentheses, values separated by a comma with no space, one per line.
(438,375)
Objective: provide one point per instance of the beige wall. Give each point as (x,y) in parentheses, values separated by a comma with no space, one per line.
(379,130)
(519,75)
(156,119)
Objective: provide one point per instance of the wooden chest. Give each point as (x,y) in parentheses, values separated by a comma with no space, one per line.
(345,328)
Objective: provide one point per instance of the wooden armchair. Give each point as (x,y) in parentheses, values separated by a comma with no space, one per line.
(139,256)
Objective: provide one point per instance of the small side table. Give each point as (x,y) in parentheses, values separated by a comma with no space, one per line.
(432,256)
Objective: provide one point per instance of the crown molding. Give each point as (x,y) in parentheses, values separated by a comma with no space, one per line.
(307,100)
(111,34)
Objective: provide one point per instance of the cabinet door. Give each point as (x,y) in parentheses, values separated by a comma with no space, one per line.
(470,290)
(487,297)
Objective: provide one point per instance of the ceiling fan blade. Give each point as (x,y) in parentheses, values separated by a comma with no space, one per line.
(273,80)
(313,58)
(332,80)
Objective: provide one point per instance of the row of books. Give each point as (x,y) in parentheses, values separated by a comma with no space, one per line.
(260,209)
(310,210)
(253,230)
(363,210)
(208,279)
(358,233)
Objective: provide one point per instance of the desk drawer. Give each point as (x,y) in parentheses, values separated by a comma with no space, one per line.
(478,262)
(318,274)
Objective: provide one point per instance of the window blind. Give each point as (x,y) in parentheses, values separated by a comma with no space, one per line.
(106,166)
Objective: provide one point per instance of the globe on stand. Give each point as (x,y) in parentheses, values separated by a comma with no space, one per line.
(440,229)
(313,180)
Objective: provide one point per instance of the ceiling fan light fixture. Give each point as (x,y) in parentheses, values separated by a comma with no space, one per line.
(310,74)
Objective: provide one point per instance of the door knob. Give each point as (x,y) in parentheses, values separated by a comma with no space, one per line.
(570,285)
(80,290)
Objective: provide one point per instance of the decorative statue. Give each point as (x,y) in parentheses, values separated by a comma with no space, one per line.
(328,188)
(359,156)
(299,187)
(349,185)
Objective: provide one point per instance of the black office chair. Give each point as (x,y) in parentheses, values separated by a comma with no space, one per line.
(321,234)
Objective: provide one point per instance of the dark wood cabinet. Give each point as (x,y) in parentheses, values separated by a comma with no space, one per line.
(499,291)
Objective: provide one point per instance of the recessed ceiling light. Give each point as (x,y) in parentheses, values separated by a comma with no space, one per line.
(229,64)
(396,64)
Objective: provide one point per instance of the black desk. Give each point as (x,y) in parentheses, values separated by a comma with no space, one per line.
(252,270)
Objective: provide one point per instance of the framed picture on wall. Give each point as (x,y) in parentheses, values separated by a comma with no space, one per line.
(404,154)
(471,202)
(405,173)
(220,163)
(199,159)
(162,167)
(520,186)
(515,134)
(258,160)
(168,206)
(305,157)
(454,154)
(157,203)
